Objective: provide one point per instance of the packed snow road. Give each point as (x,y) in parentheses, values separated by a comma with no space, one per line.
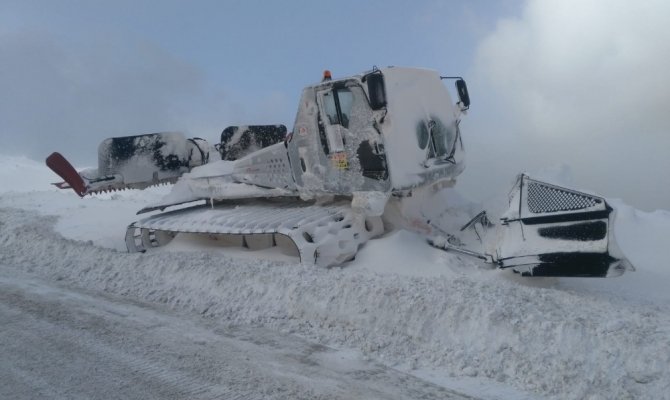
(63,343)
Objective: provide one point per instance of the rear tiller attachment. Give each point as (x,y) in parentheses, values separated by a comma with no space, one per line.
(548,230)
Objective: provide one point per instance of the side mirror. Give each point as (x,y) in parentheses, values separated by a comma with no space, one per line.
(376,90)
(463,94)
(462,90)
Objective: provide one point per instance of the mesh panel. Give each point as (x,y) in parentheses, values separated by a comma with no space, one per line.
(544,199)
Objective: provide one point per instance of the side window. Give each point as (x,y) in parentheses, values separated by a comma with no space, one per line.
(329,105)
(438,138)
(338,104)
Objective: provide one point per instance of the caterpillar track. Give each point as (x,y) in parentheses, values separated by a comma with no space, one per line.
(324,235)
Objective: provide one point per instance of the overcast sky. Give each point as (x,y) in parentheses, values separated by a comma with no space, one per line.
(573,85)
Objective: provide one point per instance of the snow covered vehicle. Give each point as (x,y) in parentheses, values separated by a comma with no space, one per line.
(368,153)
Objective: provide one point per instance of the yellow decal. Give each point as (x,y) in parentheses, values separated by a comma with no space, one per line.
(339,160)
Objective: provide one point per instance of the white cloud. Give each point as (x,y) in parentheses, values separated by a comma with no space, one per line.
(579,81)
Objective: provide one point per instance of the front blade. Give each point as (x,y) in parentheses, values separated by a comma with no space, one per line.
(133,162)
(145,158)
(554,231)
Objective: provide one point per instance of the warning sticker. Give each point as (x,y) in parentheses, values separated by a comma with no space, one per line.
(339,160)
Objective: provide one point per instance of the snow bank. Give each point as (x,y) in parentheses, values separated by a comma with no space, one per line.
(20,174)
(551,342)
(401,302)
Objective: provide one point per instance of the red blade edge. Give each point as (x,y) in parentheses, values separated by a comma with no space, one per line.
(58,164)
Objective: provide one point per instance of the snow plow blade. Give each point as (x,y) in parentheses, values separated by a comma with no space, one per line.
(133,162)
(554,231)
(324,235)
(150,159)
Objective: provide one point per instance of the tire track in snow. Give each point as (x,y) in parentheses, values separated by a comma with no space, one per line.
(82,345)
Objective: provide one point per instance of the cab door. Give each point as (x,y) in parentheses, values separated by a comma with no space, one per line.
(352,145)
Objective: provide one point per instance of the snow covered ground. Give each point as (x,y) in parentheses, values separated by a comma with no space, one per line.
(487,333)
(60,342)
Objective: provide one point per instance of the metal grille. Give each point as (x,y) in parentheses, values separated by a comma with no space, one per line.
(544,199)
